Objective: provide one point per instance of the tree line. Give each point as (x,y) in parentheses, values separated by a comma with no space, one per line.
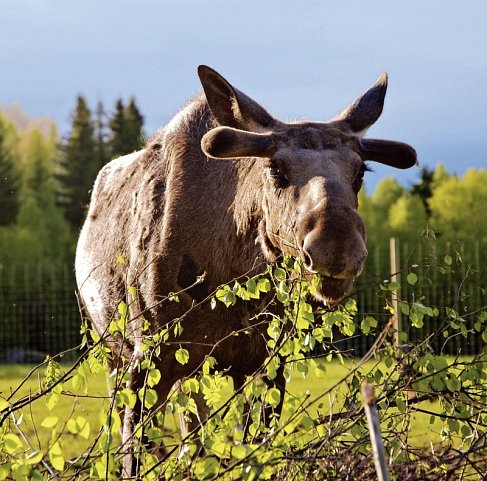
(447,206)
(45,184)
(46,181)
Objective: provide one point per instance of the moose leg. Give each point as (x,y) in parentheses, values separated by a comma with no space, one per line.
(131,416)
(238,384)
(145,418)
(203,411)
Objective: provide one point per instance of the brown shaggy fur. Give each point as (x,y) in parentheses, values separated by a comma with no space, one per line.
(261,188)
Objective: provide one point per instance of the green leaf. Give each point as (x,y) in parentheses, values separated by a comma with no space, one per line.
(182,355)
(153,377)
(220,448)
(79,426)
(149,397)
(252,290)
(52,398)
(56,457)
(453,384)
(49,422)
(367,323)
(4,471)
(348,328)
(78,382)
(241,451)
(416,319)
(110,420)
(437,383)
(122,309)
(154,434)
(401,404)
(466,431)
(306,422)
(390,286)
(125,397)
(12,443)
(226,295)
(34,458)
(273,397)
(320,369)
(264,285)
(279,274)
(448,260)
(190,385)
(412,278)
(208,365)
(206,468)
(303,320)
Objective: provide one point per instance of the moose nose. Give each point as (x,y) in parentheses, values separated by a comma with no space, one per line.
(334,258)
(341,255)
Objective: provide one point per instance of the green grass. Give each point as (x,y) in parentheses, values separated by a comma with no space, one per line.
(69,406)
(73,404)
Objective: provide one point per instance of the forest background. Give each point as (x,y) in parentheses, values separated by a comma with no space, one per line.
(45,184)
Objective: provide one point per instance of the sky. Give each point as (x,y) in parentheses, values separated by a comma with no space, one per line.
(300,59)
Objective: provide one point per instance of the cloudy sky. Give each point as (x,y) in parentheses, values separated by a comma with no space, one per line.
(303,58)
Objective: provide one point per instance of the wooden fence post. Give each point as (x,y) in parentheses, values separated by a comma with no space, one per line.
(378,451)
(394,256)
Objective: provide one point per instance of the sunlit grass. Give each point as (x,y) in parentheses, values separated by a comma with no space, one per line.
(322,391)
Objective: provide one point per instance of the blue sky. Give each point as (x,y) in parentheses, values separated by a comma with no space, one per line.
(306,58)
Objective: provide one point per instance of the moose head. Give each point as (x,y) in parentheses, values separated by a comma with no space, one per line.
(312,172)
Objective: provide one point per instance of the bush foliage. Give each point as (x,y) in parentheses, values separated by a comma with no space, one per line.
(324,437)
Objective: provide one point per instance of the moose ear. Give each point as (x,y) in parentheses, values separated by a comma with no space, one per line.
(395,154)
(231,107)
(365,110)
(228,143)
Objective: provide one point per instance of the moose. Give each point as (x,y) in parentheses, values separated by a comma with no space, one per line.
(221,190)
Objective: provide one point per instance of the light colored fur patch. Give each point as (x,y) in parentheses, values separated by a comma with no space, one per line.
(173,125)
(111,172)
(89,289)
(108,180)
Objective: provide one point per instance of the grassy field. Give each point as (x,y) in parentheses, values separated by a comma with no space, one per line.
(72,404)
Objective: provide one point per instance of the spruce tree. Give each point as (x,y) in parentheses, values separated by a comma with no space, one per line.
(118,136)
(78,165)
(135,124)
(101,136)
(9,181)
(126,129)
(424,188)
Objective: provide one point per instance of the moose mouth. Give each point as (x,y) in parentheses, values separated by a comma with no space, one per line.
(332,289)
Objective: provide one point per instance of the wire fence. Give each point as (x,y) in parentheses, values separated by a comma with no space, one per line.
(39,313)
(448,276)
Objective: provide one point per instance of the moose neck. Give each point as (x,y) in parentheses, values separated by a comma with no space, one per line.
(235,208)
(218,221)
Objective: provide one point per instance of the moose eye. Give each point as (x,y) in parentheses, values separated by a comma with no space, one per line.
(359,178)
(279,178)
